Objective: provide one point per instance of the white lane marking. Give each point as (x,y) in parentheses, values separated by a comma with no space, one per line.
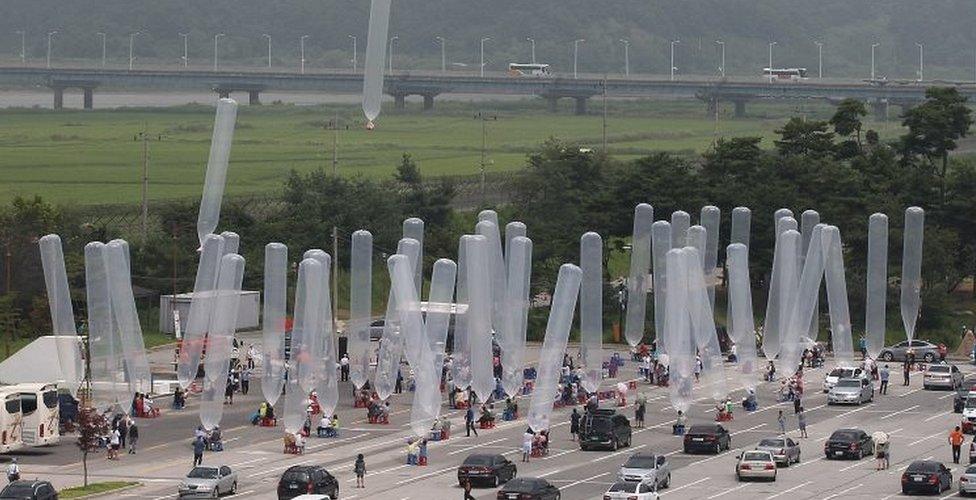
(581,481)
(910,408)
(913,443)
(801,464)
(839,493)
(466,448)
(789,490)
(621,452)
(679,488)
(429,474)
(730,490)
(384,471)
(858,464)
(909,392)
(937,415)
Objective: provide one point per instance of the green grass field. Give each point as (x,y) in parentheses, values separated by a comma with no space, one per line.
(77,157)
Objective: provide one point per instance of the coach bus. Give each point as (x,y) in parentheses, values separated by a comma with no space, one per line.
(11,420)
(785,74)
(529,69)
(39,405)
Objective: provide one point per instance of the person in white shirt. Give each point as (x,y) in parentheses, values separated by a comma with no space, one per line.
(13,471)
(527,444)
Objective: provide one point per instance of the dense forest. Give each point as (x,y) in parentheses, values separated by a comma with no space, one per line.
(847,29)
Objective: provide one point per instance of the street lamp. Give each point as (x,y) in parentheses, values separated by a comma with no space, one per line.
(50,35)
(873,46)
(532,41)
(185,60)
(721,68)
(132,37)
(23,46)
(392,40)
(443,57)
(103,47)
(216,37)
(626,56)
(355,56)
(771,61)
(819,60)
(301,50)
(921,61)
(673,42)
(483,40)
(269,48)
(576,55)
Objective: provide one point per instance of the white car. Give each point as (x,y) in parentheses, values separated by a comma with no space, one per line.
(755,465)
(969,411)
(851,391)
(830,380)
(627,490)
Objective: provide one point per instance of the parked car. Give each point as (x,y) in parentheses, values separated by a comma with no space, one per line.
(851,391)
(785,451)
(376,329)
(208,482)
(29,490)
(605,428)
(967,481)
(528,488)
(300,479)
(626,490)
(844,443)
(646,468)
(707,438)
(924,351)
(490,469)
(830,380)
(925,476)
(755,464)
(943,376)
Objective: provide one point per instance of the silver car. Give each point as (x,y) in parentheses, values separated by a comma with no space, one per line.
(646,468)
(924,351)
(967,481)
(785,451)
(944,376)
(851,391)
(831,378)
(755,465)
(208,482)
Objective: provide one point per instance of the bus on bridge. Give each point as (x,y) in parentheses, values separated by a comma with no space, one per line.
(785,74)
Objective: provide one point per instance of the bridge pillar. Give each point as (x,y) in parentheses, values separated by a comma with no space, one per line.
(740,109)
(553,103)
(581,105)
(400,101)
(254,97)
(58,98)
(428,102)
(89,99)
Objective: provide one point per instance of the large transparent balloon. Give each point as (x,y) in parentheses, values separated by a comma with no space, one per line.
(696,238)
(741,225)
(273,320)
(779,214)
(379,25)
(307,297)
(782,287)
(591,310)
(321,344)
(496,265)
(107,370)
(440,309)
(478,258)
(840,316)
(511,338)
(512,231)
(232,242)
(220,339)
(742,330)
(201,305)
(133,349)
(62,314)
(461,353)
(360,306)
(802,306)
(216,178)
(680,222)
(554,346)
(414,228)
(711,220)
(391,344)
(911,269)
(660,244)
(809,219)
(640,268)
(678,333)
(703,325)
(877,284)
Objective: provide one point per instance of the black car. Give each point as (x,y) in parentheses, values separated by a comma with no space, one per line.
(491,469)
(528,488)
(709,438)
(959,398)
(30,490)
(302,479)
(925,476)
(848,443)
(604,429)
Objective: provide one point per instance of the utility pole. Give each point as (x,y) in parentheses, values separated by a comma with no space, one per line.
(103,47)
(144,135)
(484,153)
(604,114)
(335,229)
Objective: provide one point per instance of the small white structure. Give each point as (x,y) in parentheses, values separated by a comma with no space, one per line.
(38,362)
(247,312)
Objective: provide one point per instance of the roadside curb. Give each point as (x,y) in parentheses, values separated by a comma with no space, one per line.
(112,492)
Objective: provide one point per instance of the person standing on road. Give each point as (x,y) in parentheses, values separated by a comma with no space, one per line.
(527,444)
(955,440)
(398,387)
(467,490)
(133,438)
(782,423)
(113,452)
(245,380)
(906,370)
(469,423)
(360,470)
(574,424)
(801,422)
(884,375)
(198,447)
(344,367)
(123,430)
(13,471)
(796,404)
(640,410)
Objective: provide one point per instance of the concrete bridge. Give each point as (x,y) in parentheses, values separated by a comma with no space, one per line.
(400,84)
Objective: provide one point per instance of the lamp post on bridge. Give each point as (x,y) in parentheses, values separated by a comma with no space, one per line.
(103,47)
(301,50)
(576,55)
(50,35)
(355,56)
(873,46)
(483,40)
(721,68)
(132,37)
(626,56)
(443,53)
(23,46)
(921,61)
(269,48)
(184,58)
(392,42)
(216,37)
(819,60)
(673,42)
(532,41)
(771,61)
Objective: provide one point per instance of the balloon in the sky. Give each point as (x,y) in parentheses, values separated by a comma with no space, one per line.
(660,245)
(743,330)
(836,284)
(220,338)
(414,228)
(877,284)
(360,306)
(680,222)
(911,269)
(591,310)
(107,370)
(273,320)
(379,26)
(308,289)
(511,338)
(703,326)
(201,307)
(62,314)
(782,288)
(640,266)
(711,220)
(678,333)
(478,258)
(127,319)
(392,343)
(741,225)
(216,178)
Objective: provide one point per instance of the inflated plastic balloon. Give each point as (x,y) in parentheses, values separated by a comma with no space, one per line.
(496,265)
(802,306)
(809,219)
(511,338)
(379,25)
(660,244)
(743,329)
(478,265)
(703,326)
(640,268)
(779,214)
(216,178)
(440,310)
(273,320)
(741,225)
(680,222)
(877,284)
(360,306)
(678,333)
(782,288)
(591,310)
(307,290)
(696,238)
(223,324)
(461,362)
(512,231)
(107,370)
(133,349)
(554,345)
(201,306)
(414,228)
(911,269)
(62,314)
(391,345)
(327,380)
(840,316)
(232,242)
(711,220)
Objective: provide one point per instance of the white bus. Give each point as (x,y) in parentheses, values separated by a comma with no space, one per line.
(529,69)
(785,74)
(11,420)
(40,409)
